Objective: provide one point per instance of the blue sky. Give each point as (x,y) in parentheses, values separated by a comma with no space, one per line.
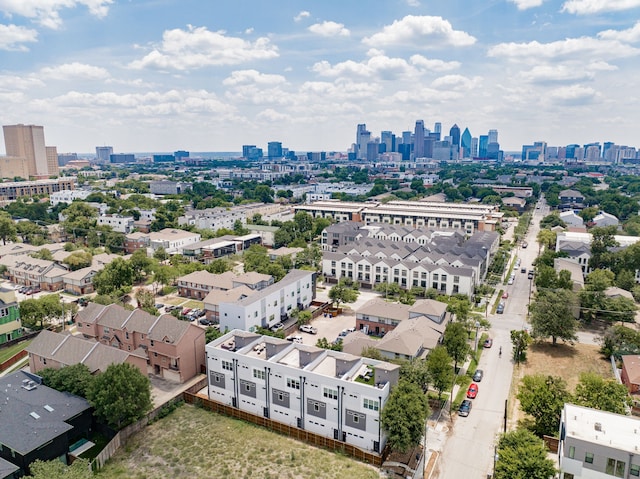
(205,75)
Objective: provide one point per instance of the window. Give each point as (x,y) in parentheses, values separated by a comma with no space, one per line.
(356,418)
(227,365)
(106,330)
(456,279)
(572,452)
(615,467)
(634,470)
(152,342)
(371,404)
(258,373)
(588,457)
(293,383)
(126,335)
(330,393)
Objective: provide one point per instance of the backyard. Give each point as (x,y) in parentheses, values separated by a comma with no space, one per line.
(195,443)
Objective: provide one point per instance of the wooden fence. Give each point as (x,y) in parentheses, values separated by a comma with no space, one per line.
(290,431)
(13,359)
(552,443)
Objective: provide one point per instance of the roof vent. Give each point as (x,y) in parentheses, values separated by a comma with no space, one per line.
(597,426)
(29,385)
(34,415)
(48,408)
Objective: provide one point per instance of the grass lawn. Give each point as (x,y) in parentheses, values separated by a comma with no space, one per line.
(195,443)
(192,303)
(172,300)
(562,360)
(12,350)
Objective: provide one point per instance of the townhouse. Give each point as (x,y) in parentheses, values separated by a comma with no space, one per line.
(10,324)
(174,349)
(28,271)
(118,223)
(271,305)
(577,245)
(379,317)
(596,444)
(329,393)
(199,283)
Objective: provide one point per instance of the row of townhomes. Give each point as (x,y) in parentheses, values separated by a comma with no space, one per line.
(373,254)
(329,393)
(172,349)
(200,283)
(464,217)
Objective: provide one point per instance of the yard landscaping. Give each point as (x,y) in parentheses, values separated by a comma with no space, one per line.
(195,443)
(11,351)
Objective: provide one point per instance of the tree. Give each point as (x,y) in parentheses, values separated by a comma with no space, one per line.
(439,367)
(115,278)
(416,372)
(219,266)
(8,230)
(141,263)
(211,334)
(37,313)
(43,253)
(146,301)
(78,259)
(75,379)
(547,239)
(120,395)
(605,394)
(522,455)
(619,340)
(404,416)
(343,292)
(30,232)
(164,275)
(625,279)
(520,340)
(543,397)
(552,315)
(324,344)
(371,352)
(602,241)
(455,341)
(80,469)
(160,254)
(80,219)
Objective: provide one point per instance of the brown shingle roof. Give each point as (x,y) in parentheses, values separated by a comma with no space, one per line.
(382,309)
(169,329)
(631,364)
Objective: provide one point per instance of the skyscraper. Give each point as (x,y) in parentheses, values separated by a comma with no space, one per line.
(27,141)
(363,136)
(437,129)
(465,142)
(103,153)
(474,147)
(387,138)
(52,160)
(493,136)
(418,140)
(454,133)
(483,142)
(274,149)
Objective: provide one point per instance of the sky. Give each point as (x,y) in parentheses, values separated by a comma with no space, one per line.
(205,75)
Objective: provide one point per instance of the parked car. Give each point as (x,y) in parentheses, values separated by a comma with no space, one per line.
(171,307)
(523,270)
(277,327)
(505,295)
(488,343)
(472,392)
(525,244)
(22,289)
(343,333)
(296,338)
(477,376)
(186,311)
(28,291)
(530,275)
(307,328)
(159,306)
(511,280)
(465,408)
(205,322)
(500,308)
(351,330)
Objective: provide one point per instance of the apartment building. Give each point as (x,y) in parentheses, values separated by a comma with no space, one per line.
(118,223)
(67,196)
(271,305)
(596,444)
(379,317)
(464,217)
(10,324)
(199,283)
(164,187)
(12,190)
(330,393)
(174,349)
(28,271)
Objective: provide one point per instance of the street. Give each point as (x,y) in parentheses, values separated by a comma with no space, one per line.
(469,450)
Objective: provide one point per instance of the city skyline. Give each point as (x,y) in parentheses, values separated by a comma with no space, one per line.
(208,77)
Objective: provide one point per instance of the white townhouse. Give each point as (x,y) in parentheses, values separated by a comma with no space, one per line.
(172,240)
(67,196)
(118,223)
(329,393)
(271,305)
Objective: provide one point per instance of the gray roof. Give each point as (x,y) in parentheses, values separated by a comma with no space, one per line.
(6,468)
(19,429)
(169,329)
(291,277)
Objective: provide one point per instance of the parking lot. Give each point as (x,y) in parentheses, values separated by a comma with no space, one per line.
(330,327)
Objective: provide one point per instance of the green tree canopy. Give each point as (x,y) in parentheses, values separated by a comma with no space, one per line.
(520,340)
(404,416)
(115,278)
(619,340)
(8,231)
(440,370)
(75,379)
(78,259)
(552,315)
(120,395)
(522,455)
(605,394)
(343,292)
(455,341)
(57,469)
(543,397)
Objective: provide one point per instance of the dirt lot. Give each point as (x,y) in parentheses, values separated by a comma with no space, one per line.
(561,360)
(195,443)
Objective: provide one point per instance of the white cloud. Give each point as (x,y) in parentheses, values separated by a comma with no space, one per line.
(582,7)
(525,4)
(380,66)
(329,29)
(569,48)
(46,12)
(248,31)
(456,82)
(74,71)
(571,71)
(413,3)
(198,47)
(339,90)
(272,115)
(573,94)
(301,15)
(252,76)
(630,35)
(12,36)
(420,31)
(433,64)
(12,82)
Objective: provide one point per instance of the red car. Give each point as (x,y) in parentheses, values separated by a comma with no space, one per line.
(472,392)
(505,295)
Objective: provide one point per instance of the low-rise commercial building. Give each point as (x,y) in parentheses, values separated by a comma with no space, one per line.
(330,393)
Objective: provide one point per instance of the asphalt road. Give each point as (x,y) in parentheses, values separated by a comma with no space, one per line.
(469,450)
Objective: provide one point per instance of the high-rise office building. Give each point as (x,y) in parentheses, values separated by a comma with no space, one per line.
(483,142)
(274,149)
(454,133)
(437,129)
(52,160)
(363,136)
(180,154)
(474,147)
(465,142)
(388,140)
(27,141)
(103,154)
(418,140)
(493,136)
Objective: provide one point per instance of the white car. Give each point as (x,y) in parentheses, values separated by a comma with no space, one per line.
(510,280)
(307,328)
(295,338)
